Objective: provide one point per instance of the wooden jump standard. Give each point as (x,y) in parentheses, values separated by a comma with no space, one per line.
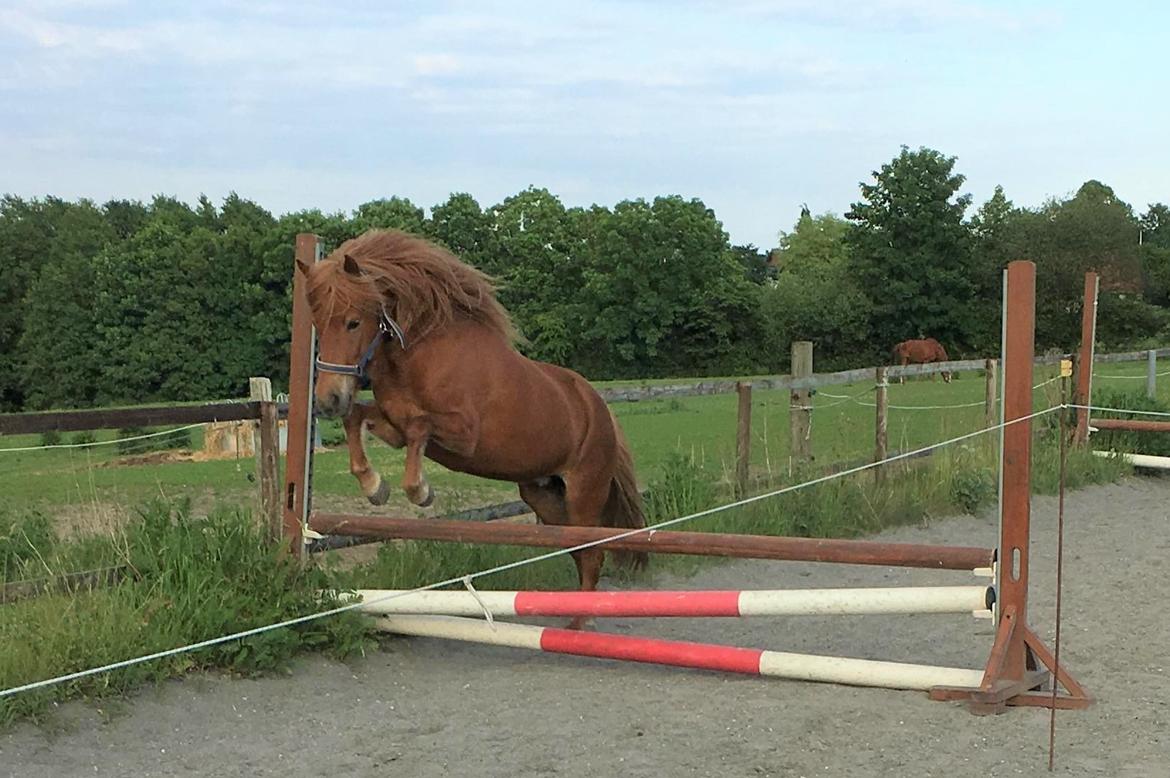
(1014,672)
(1085,360)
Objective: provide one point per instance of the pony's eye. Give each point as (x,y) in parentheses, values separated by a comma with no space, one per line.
(352,324)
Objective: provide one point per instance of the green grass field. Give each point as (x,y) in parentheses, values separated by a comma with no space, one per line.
(86,487)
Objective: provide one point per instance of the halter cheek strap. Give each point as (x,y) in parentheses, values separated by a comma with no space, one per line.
(386,326)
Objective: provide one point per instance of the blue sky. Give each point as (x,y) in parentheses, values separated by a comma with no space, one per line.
(755,106)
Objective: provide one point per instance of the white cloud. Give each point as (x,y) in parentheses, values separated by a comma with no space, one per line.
(902,14)
(435,64)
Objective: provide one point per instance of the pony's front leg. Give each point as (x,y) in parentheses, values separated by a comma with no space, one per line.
(362,415)
(418,491)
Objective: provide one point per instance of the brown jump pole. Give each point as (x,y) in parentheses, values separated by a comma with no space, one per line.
(1085,357)
(295,505)
(857,552)
(1130,425)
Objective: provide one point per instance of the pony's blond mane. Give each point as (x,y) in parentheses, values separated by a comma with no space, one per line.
(423,286)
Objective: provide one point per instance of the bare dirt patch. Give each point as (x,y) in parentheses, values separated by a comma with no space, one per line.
(431,708)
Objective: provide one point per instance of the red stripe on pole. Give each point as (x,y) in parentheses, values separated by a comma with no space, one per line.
(702,656)
(627,603)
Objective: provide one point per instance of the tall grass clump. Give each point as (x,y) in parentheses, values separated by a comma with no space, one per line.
(1156,443)
(186,579)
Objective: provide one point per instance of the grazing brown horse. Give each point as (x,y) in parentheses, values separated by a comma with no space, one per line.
(921,352)
(438,349)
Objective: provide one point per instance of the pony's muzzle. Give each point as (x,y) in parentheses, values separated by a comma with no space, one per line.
(334,401)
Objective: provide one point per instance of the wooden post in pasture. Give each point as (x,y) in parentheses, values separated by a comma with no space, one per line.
(743,437)
(881,404)
(1085,356)
(295,501)
(991,392)
(1151,374)
(800,402)
(267,447)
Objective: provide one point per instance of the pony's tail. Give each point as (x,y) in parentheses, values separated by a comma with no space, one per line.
(624,510)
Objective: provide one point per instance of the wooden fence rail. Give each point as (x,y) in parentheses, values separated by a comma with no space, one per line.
(113,418)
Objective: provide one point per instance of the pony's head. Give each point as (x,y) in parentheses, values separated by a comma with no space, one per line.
(348,312)
(388,289)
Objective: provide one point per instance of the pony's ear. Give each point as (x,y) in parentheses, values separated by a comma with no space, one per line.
(301,266)
(351,266)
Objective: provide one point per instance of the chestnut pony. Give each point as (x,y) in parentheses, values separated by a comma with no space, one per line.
(921,352)
(439,351)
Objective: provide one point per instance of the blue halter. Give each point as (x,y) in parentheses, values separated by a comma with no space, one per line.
(386,326)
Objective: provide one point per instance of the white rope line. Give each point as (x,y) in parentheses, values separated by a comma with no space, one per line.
(102,442)
(1105,375)
(893,407)
(977,404)
(465,579)
(1117,410)
(845,396)
(1043,384)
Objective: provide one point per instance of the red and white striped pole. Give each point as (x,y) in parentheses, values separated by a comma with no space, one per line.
(795,602)
(703,656)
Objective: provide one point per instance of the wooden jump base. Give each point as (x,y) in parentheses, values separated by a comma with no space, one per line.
(797,602)
(702,656)
(858,552)
(1018,669)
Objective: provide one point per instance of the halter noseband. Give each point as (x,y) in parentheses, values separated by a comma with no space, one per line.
(386,326)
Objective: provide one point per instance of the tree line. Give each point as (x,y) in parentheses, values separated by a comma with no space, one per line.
(164,301)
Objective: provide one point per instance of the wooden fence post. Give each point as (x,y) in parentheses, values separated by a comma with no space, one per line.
(881,403)
(1151,374)
(743,437)
(267,447)
(1085,357)
(800,403)
(991,392)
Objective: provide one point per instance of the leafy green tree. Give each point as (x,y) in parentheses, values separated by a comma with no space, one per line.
(1093,230)
(461,225)
(665,293)
(755,263)
(993,228)
(47,249)
(1155,253)
(528,248)
(182,306)
(125,217)
(815,296)
(817,245)
(911,252)
(242,246)
(395,213)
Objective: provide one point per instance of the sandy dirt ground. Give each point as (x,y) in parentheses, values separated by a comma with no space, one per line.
(430,708)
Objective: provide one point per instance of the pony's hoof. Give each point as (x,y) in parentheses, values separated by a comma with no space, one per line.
(381,495)
(429,499)
(581,624)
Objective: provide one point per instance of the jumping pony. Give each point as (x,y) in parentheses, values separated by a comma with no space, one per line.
(439,352)
(921,352)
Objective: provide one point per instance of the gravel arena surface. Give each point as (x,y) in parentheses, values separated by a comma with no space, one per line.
(424,707)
